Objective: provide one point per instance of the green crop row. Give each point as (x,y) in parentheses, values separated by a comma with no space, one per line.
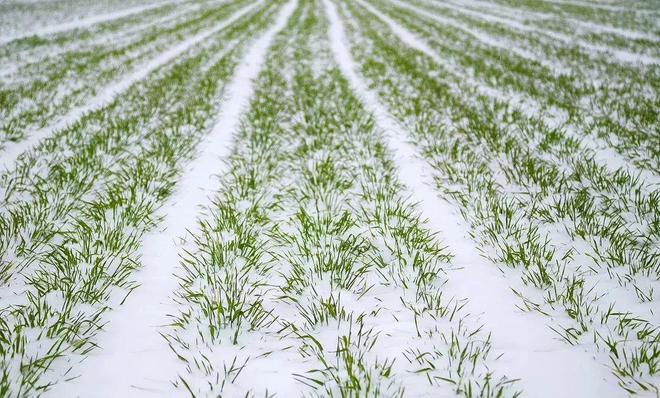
(619,109)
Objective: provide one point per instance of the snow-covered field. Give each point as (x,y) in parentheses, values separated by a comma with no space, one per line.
(332,198)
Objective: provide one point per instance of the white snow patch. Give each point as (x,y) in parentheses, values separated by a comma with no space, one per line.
(134,359)
(530,349)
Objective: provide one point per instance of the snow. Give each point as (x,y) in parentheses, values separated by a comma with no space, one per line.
(627,33)
(484,38)
(107,94)
(133,358)
(530,349)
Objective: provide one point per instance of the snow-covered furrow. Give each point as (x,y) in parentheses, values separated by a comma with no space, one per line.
(620,55)
(480,36)
(107,94)
(530,349)
(181,10)
(133,359)
(603,154)
(624,33)
(212,360)
(179,14)
(316,138)
(86,22)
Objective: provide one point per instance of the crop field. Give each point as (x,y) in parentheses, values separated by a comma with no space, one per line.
(330,198)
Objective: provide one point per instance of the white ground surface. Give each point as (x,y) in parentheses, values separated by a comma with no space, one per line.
(134,359)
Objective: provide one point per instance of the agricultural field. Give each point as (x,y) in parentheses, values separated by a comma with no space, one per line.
(330,198)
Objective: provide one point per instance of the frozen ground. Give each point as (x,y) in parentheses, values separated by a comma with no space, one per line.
(329,198)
